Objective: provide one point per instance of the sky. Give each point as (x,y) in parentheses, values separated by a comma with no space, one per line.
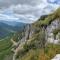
(27,11)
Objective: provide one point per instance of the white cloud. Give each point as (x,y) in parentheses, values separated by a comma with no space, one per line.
(8,18)
(27,12)
(52,0)
(18,18)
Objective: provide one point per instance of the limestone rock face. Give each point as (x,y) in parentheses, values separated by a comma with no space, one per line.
(28,31)
(57,57)
(49,32)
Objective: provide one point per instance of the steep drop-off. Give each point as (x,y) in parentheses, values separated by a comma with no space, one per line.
(39,39)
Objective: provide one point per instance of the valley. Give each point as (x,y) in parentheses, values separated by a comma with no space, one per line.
(5,47)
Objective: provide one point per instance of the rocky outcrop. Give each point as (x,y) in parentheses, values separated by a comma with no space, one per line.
(18,46)
(57,57)
(49,32)
(29,31)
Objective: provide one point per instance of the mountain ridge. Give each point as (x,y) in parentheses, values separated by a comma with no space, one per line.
(33,43)
(6,28)
(38,39)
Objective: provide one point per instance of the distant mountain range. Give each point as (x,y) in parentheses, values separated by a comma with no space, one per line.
(7,27)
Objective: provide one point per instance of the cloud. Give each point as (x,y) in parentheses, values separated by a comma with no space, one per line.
(54,1)
(26,10)
(7,17)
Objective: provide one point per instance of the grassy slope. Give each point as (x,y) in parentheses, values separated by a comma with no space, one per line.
(5,47)
(41,54)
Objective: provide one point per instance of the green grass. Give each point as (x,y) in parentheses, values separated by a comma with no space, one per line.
(5,47)
(42,54)
(47,20)
(55,32)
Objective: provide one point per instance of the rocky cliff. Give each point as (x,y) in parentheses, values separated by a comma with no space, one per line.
(36,35)
(49,31)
